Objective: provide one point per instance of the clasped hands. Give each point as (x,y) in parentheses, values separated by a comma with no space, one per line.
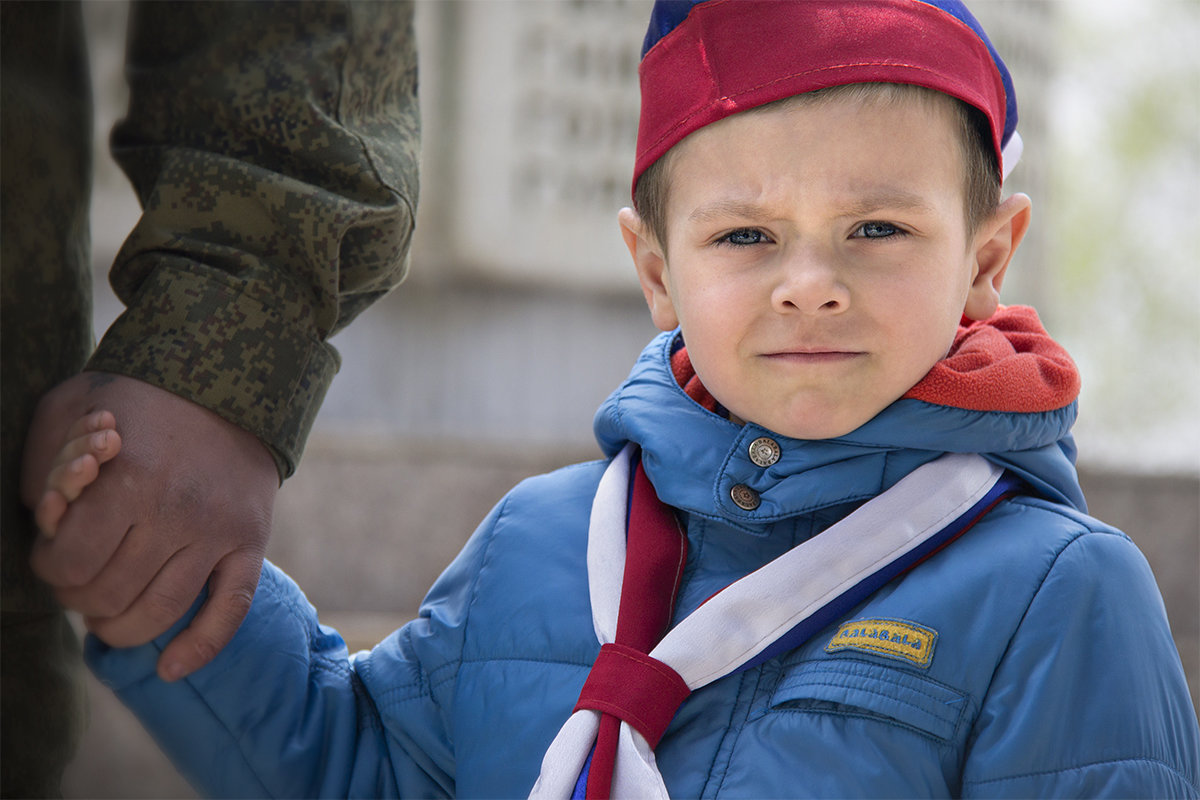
(184,499)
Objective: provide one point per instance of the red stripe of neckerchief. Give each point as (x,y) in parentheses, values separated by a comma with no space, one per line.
(654,561)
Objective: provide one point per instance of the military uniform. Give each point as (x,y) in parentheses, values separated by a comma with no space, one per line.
(274,149)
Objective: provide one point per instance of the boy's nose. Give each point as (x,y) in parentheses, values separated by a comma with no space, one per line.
(808,283)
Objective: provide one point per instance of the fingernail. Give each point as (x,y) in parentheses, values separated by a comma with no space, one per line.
(174,671)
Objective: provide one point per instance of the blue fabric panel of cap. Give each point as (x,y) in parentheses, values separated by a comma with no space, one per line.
(667,14)
(664,17)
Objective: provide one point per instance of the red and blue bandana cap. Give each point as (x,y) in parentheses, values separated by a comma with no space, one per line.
(703,60)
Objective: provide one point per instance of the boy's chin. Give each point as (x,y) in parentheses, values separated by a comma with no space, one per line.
(810,429)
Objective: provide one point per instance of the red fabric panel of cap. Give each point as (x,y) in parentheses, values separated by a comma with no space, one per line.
(731,55)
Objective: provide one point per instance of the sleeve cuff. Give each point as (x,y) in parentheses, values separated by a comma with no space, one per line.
(218,342)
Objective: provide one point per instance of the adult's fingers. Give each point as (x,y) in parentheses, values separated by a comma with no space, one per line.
(230,593)
(88,534)
(141,558)
(159,605)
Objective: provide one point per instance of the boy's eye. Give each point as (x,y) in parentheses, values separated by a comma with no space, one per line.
(876,230)
(744,236)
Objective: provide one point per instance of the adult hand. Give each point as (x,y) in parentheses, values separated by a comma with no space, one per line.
(187,501)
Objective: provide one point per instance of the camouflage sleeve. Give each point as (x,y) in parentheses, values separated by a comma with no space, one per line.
(274,149)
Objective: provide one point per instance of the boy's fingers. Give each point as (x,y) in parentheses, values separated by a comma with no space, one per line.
(78,435)
(77,466)
(49,512)
(61,416)
(71,477)
(107,444)
(103,444)
(88,423)
(230,593)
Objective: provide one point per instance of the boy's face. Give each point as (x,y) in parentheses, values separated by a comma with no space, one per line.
(819,261)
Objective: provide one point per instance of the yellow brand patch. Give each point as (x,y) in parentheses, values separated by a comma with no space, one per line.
(886,637)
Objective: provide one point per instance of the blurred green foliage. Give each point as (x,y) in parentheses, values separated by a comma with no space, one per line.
(1124,217)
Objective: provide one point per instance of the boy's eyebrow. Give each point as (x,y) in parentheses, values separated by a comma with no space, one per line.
(891,198)
(724,209)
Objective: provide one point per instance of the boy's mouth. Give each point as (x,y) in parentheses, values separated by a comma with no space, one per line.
(814,355)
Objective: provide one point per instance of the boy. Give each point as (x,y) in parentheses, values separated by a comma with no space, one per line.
(916,605)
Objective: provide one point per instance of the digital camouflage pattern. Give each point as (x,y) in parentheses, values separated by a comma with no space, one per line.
(274,148)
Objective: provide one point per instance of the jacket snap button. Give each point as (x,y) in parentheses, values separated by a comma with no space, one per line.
(764,451)
(745,497)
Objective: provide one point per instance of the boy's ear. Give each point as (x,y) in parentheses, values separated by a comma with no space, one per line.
(651,266)
(995,243)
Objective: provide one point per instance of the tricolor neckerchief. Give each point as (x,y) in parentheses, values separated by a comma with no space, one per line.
(606,746)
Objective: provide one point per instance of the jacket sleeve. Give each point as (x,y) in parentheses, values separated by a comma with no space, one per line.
(285,711)
(280,712)
(274,149)
(1090,699)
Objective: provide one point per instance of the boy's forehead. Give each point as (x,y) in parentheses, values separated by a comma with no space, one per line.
(710,59)
(871,152)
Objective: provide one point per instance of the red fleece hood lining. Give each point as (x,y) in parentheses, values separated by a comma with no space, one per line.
(1007,363)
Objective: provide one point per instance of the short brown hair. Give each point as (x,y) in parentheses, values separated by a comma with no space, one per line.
(981,173)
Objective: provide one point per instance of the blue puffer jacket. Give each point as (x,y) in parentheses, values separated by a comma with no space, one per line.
(1053,671)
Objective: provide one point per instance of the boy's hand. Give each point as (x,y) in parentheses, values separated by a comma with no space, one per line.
(187,501)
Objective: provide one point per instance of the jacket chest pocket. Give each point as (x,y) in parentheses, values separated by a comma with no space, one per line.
(862,689)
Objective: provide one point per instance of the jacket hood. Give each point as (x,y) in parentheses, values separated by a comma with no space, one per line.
(1006,391)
